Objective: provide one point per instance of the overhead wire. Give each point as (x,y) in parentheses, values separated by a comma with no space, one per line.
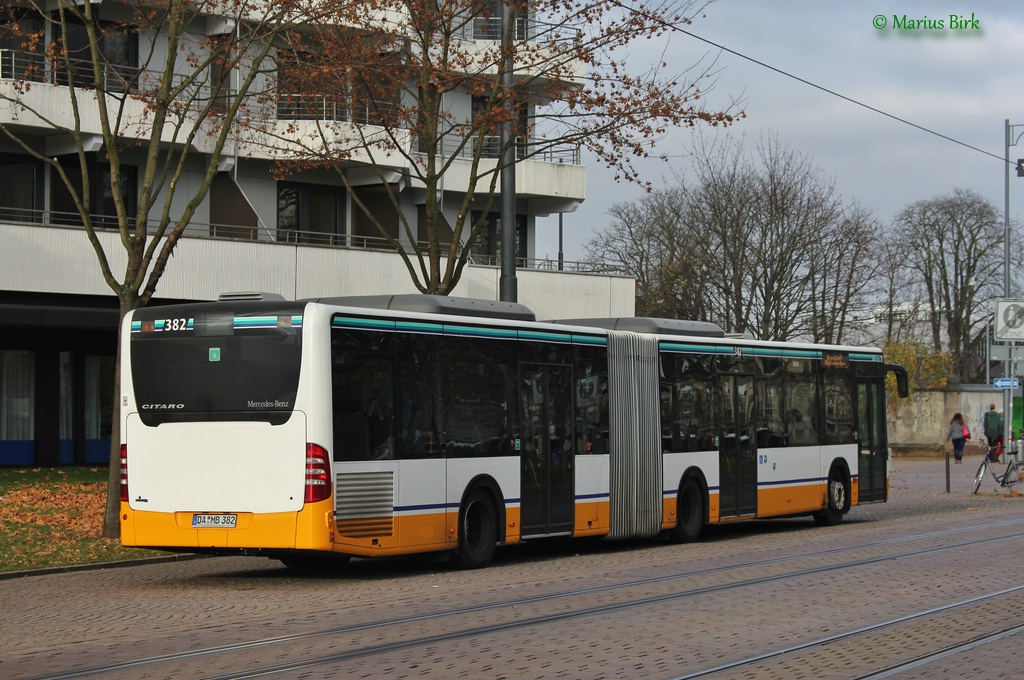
(679,29)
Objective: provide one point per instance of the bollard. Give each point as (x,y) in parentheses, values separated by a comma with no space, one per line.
(947,471)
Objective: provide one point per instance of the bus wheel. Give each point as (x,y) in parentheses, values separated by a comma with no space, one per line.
(690,514)
(836,503)
(478,532)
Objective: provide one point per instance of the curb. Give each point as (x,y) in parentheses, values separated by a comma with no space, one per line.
(45,571)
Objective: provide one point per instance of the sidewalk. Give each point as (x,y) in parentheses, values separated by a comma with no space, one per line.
(916,476)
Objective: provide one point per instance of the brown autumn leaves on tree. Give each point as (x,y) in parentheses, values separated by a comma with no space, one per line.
(166,85)
(407,64)
(169,113)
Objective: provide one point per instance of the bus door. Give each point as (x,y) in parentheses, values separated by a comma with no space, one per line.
(873,453)
(737,448)
(545,449)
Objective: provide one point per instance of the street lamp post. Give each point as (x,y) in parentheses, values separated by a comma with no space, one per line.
(1012,137)
(508,285)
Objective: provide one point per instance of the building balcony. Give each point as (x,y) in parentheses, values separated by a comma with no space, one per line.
(549,173)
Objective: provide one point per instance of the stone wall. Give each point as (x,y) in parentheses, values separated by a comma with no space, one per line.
(920,424)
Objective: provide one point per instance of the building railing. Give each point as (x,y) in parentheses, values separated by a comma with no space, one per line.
(550,264)
(489,28)
(531,148)
(527,27)
(249,233)
(338,109)
(22,66)
(291,107)
(334,109)
(116,78)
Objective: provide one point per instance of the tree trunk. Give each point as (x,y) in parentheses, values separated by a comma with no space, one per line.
(112,512)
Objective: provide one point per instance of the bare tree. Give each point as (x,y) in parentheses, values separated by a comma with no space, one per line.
(898,301)
(953,246)
(646,240)
(795,212)
(780,233)
(435,82)
(766,248)
(719,221)
(155,92)
(844,276)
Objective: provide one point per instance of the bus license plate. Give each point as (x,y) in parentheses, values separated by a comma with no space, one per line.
(214,521)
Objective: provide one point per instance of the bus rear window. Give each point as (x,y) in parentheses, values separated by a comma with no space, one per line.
(215,363)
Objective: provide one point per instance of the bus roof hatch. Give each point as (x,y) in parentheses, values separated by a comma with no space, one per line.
(644,324)
(438,304)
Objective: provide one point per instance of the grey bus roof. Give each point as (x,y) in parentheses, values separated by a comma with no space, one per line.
(236,296)
(644,324)
(438,304)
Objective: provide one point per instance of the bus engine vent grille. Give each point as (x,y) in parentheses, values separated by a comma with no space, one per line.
(364,505)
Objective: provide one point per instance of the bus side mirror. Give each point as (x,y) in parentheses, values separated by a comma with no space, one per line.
(902,380)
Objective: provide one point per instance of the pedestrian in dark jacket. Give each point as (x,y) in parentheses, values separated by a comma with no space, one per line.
(992,423)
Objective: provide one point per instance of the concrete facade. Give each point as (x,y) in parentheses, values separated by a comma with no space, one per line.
(58,260)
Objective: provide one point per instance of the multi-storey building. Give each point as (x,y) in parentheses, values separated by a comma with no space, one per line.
(301,237)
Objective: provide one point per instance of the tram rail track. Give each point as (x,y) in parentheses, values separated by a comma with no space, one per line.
(950,650)
(891,669)
(359,651)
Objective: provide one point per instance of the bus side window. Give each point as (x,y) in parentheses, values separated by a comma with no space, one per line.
(418,396)
(362,386)
(801,399)
(591,400)
(478,397)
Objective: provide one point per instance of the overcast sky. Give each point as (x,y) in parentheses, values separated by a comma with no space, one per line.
(961,83)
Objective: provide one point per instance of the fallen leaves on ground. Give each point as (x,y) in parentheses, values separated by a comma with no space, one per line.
(77,508)
(51,522)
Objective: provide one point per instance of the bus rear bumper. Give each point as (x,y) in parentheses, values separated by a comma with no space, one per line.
(308,529)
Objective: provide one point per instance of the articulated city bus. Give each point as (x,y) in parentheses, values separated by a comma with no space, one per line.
(390,425)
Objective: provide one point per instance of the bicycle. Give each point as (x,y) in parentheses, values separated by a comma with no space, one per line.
(1013,474)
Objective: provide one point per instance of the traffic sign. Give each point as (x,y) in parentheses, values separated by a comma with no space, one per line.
(1005,383)
(1000,352)
(1009,320)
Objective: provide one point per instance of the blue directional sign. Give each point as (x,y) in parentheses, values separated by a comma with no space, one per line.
(1005,383)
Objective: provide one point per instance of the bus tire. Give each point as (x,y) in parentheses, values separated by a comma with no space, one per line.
(478,532)
(837,498)
(689,513)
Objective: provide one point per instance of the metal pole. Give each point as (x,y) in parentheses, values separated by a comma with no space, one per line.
(988,350)
(1007,394)
(947,471)
(1008,402)
(561,261)
(1006,215)
(508,285)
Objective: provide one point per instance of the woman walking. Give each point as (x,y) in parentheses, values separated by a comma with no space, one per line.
(959,435)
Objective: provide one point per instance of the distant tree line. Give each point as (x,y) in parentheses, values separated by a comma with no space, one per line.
(763,244)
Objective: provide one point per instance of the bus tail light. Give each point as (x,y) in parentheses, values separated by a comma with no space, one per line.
(318,474)
(124,473)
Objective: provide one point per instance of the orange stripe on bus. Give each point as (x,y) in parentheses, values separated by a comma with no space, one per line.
(790,500)
(592,519)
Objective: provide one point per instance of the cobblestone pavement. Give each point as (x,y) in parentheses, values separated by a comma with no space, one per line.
(82,619)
